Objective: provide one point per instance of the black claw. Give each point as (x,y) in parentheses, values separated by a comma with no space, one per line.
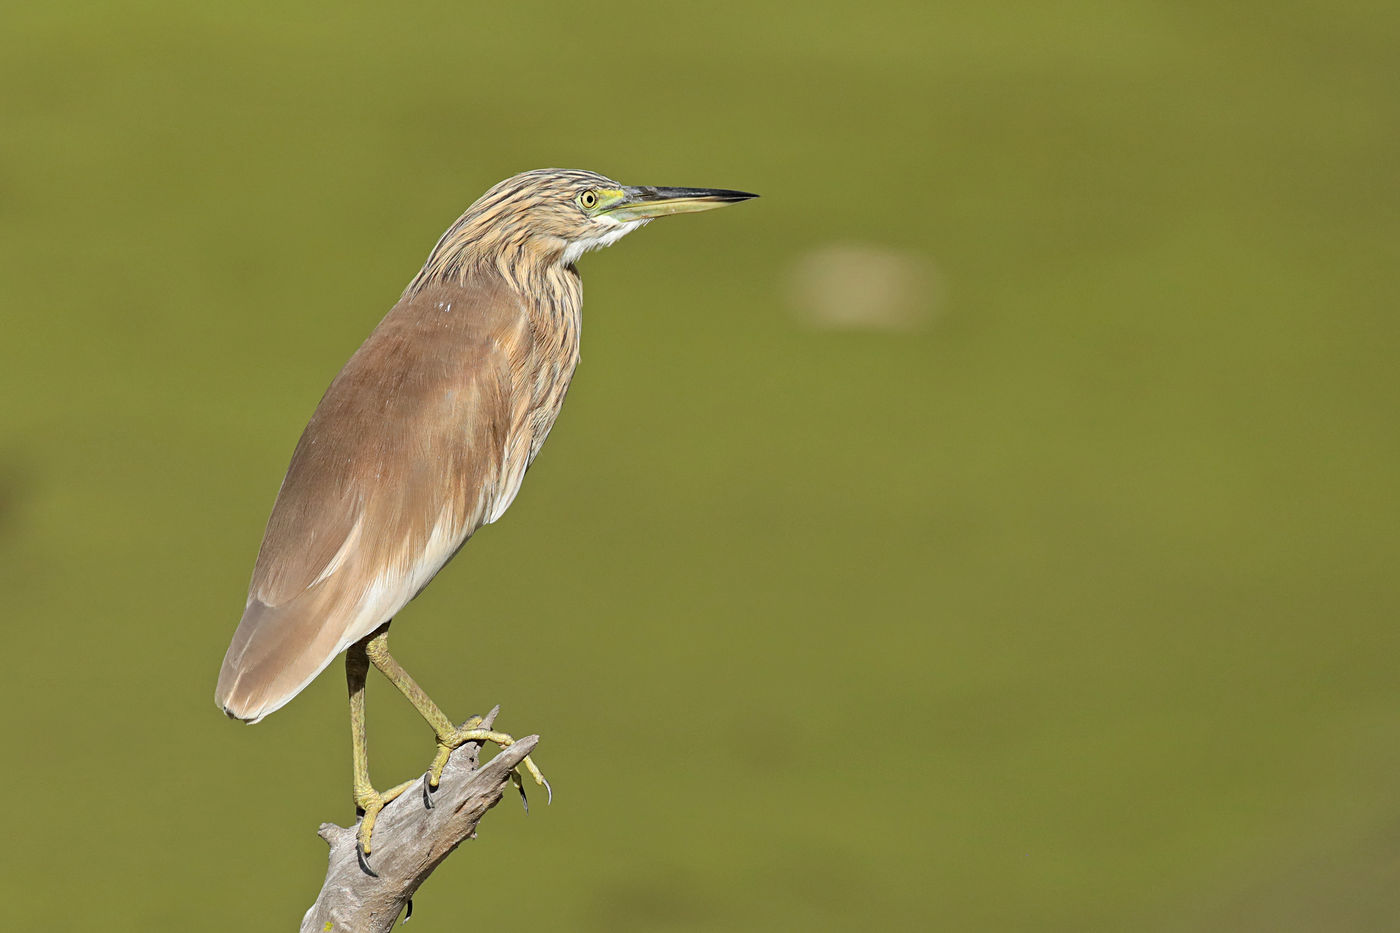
(364,861)
(524,801)
(408,914)
(427,797)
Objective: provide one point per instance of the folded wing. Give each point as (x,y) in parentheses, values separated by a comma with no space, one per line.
(404,458)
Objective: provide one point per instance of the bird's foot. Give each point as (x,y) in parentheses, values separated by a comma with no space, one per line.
(369,802)
(471,731)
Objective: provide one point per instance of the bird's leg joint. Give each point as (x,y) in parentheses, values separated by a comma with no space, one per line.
(377,650)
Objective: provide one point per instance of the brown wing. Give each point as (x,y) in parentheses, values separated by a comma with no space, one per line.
(402,461)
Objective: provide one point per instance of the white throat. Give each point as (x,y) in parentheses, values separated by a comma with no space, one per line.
(608,237)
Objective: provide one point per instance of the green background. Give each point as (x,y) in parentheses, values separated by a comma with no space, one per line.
(1072,608)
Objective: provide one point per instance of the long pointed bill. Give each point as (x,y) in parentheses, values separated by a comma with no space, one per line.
(643,203)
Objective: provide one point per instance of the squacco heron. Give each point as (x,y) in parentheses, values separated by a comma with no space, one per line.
(421,439)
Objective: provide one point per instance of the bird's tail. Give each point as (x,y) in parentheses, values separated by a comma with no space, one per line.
(275,653)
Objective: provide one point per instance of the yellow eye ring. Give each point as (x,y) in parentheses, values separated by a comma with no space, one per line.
(588,200)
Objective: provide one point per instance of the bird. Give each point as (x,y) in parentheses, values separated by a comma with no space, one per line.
(423,437)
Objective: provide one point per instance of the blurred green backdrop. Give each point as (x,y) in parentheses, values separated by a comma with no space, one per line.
(1061,597)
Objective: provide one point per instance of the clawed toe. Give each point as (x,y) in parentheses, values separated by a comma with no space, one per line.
(471,731)
(370,802)
(427,793)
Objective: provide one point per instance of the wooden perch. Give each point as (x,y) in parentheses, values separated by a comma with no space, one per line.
(410,840)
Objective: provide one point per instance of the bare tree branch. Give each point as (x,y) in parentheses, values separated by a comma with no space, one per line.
(410,840)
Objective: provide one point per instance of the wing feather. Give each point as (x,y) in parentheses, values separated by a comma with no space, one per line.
(404,458)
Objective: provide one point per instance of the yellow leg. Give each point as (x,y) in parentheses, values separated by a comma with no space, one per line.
(367,800)
(449,737)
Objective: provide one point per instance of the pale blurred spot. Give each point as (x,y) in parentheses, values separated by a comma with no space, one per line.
(861,286)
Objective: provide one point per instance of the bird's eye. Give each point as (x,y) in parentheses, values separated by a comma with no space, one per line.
(588,200)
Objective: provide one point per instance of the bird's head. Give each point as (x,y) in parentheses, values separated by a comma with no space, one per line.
(556,215)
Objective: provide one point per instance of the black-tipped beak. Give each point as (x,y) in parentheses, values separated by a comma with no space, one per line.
(643,203)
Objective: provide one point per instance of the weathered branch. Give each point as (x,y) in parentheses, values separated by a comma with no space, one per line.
(410,840)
